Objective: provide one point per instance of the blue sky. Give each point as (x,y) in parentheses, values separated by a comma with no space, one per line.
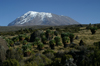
(83,11)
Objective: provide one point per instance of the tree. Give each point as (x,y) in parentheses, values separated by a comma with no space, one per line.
(49,34)
(24,42)
(44,40)
(11,43)
(41,46)
(27,52)
(21,37)
(28,38)
(65,60)
(42,34)
(65,34)
(37,39)
(57,40)
(71,36)
(52,43)
(56,33)
(81,43)
(93,30)
(14,54)
(66,41)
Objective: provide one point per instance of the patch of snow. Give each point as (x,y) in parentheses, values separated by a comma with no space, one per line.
(32,14)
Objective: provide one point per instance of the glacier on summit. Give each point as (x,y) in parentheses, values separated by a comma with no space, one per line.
(32,14)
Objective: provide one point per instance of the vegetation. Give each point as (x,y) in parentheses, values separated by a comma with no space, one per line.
(93,30)
(52,46)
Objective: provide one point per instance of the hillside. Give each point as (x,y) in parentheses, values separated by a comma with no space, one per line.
(52,45)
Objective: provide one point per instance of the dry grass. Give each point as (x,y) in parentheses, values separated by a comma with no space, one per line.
(84,34)
(87,37)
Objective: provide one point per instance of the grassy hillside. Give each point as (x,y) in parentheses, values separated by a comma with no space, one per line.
(87,36)
(52,45)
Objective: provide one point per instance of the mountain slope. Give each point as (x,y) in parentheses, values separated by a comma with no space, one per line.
(42,18)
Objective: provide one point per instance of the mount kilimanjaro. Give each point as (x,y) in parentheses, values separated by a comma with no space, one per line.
(42,18)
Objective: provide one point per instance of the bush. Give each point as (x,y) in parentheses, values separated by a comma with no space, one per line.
(81,43)
(56,33)
(44,40)
(52,44)
(11,62)
(14,54)
(24,42)
(93,30)
(27,52)
(66,58)
(49,34)
(71,36)
(41,46)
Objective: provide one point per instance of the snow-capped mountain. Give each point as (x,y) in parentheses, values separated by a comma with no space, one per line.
(42,18)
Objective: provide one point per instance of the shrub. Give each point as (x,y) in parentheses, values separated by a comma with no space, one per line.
(37,39)
(65,34)
(14,54)
(11,43)
(57,39)
(56,33)
(27,46)
(93,30)
(28,38)
(42,35)
(66,58)
(49,34)
(41,46)
(21,37)
(71,36)
(24,42)
(81,43)
(52,43)
(66,41)
(27,52)
(11,62)
(44,40)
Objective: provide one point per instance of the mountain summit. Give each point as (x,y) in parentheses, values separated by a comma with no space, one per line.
(42,18)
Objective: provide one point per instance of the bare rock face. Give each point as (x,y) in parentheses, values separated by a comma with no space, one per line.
(42,18)
(3,49)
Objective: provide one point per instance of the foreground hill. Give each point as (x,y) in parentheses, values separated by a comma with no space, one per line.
(42,18)
(71,45)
